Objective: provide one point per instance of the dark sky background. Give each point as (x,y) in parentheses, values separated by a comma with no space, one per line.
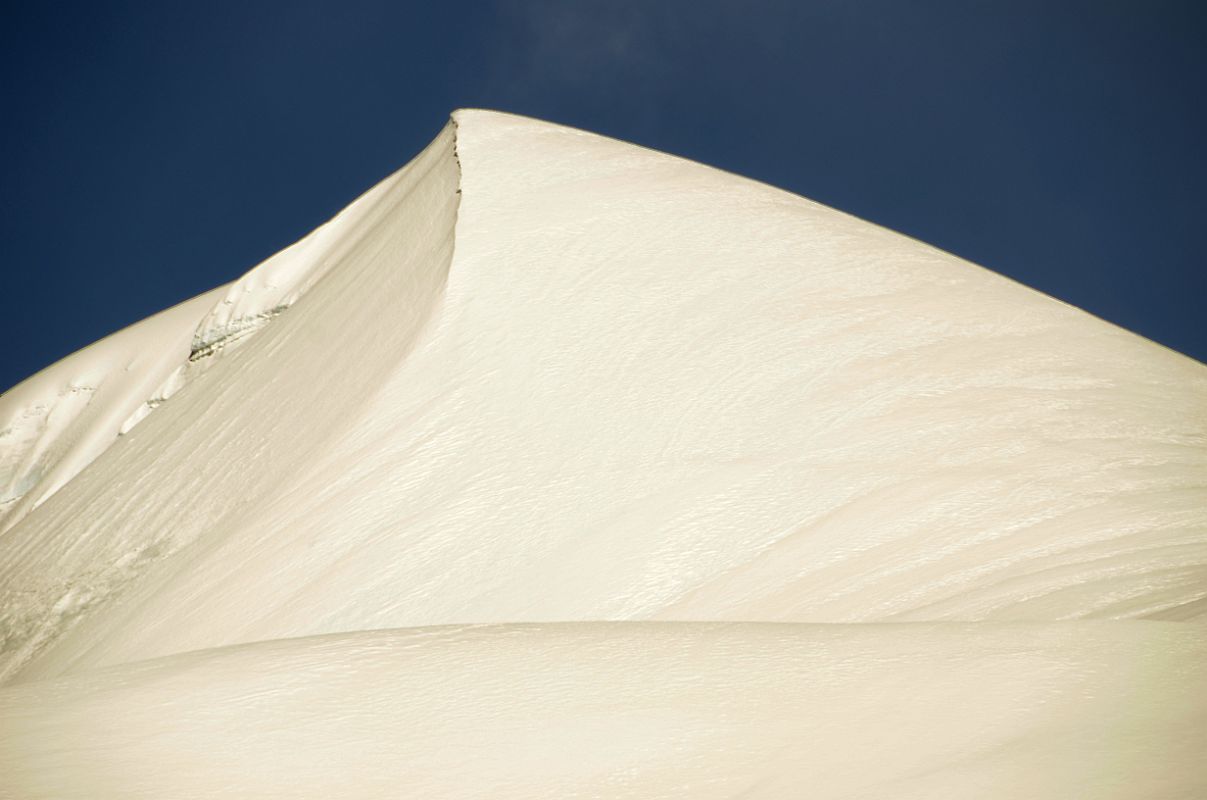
(154,150)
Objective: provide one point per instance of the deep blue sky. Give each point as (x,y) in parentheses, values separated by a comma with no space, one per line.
(154,150)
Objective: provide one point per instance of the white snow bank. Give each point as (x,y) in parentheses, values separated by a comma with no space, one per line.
(641,710)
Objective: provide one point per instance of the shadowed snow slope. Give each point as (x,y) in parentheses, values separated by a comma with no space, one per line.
(541,376)
(57,422)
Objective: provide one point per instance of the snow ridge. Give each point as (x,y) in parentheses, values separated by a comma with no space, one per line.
(42,418)
(35,577)
(626,477)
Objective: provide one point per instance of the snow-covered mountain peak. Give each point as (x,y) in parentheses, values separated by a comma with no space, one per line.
(541,376)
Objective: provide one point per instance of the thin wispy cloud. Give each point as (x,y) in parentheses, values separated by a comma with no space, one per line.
(593,52)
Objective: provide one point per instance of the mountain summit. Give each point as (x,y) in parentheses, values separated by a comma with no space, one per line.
(653,445)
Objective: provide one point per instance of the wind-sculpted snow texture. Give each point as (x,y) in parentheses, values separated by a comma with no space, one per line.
(649,408)
(55,423)
(632,709)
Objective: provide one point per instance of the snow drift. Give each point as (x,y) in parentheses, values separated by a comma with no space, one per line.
(539,376)
(631,709)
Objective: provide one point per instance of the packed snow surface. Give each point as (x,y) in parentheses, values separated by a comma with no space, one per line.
(707,489)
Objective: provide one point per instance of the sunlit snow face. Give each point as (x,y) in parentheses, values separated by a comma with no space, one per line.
(557,466)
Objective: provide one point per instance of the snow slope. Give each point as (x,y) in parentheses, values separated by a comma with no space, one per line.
(542,376)
(57,422)
(633,710)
